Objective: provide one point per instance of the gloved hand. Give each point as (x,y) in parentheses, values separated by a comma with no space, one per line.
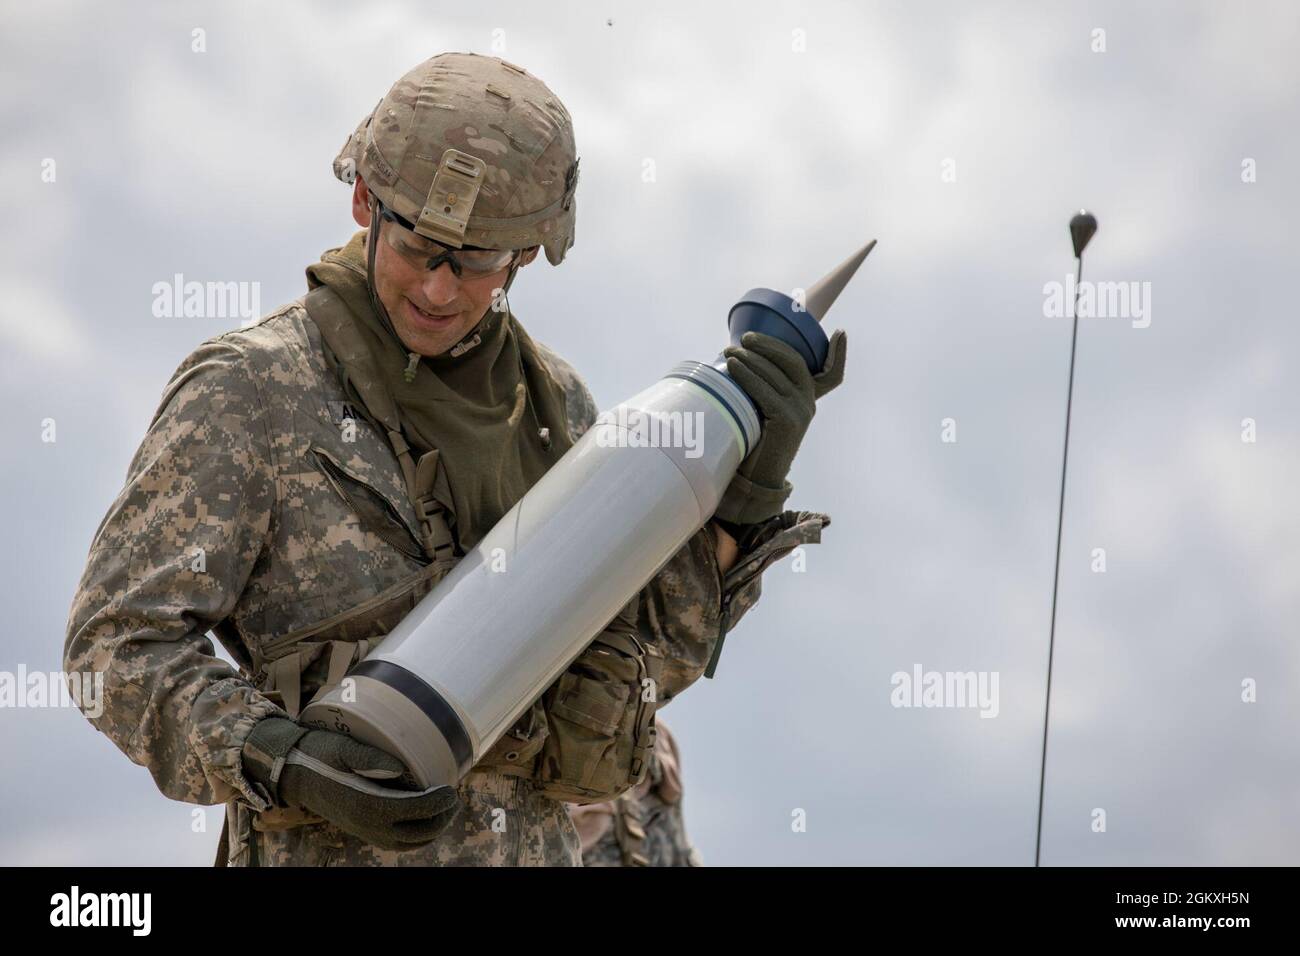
(775,376)
(330,774)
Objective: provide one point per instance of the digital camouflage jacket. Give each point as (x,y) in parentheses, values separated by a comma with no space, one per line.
(240,516)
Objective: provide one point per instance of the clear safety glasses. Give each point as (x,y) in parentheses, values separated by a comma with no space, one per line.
(423,253)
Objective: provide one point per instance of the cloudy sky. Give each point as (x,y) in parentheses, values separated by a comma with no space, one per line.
(782,136)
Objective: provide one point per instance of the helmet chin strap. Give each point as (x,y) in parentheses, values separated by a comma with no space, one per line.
(471,338)
(514,271)
(372,241)
(372,244)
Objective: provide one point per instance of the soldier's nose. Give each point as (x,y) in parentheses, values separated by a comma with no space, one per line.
(440,287)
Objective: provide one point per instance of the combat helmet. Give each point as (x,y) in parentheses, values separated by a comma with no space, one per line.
(471,151)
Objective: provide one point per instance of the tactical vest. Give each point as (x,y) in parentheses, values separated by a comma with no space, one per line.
(586,740)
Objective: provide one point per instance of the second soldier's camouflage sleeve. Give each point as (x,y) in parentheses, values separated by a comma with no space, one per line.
(689,606)
(169,562)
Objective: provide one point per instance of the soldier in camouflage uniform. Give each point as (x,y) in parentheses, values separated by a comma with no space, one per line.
(305,481)
(645,825)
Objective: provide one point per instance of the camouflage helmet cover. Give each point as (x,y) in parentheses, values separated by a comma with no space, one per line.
(474,151)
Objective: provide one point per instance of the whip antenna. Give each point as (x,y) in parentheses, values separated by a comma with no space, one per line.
(1082,227)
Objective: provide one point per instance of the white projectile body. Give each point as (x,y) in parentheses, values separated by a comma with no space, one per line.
(488,640)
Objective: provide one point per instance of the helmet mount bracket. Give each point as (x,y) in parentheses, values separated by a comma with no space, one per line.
(451,197)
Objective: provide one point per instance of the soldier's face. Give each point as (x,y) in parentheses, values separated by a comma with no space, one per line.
(430,311)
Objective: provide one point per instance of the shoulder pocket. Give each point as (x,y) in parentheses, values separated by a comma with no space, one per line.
(375,512)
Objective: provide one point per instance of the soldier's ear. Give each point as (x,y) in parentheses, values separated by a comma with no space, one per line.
(529,255)
(361,202)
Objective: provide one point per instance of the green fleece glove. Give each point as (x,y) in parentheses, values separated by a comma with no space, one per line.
(775,376)
(331,775)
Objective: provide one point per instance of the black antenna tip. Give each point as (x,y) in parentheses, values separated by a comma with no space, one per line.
(1082,226)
